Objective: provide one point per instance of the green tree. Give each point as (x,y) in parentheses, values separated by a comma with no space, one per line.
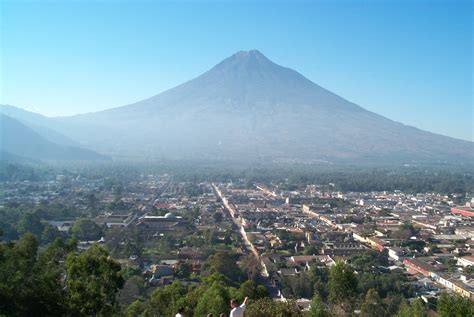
(454,306)
(166,301)
(49,233)
(215,300)
(342,283)
(469,269)
(225,263)
(93,280)
(405,231)
(384,283)
(297,285)
(266,307)
(372,305)
(17,287)
(318,308)
(369,261)
(8,231)
(251,267)
(251,290)
(416,309)
(86,229)
(310,250)
(134,309)
(184,270)
(133,288)
(91,201)
(319,277)
(30,285)
(30,222)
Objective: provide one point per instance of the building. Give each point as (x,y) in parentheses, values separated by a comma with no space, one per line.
(116,220)
(376,243)
(420,266)
(466,261)
(166,222)
(463,211)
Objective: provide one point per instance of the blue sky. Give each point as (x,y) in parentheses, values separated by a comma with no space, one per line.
(410,61)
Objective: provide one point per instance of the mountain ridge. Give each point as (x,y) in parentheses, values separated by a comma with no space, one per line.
(19,141)
(248,107)
(37,122)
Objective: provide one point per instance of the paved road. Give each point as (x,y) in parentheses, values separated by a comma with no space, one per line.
(263,279)
(232,211)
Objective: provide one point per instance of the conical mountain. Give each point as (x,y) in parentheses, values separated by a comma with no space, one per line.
(247,107)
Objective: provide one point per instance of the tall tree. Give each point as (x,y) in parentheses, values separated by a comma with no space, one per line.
(266,307)
(416,309)
(225,263)
(215,300)
(251,290)
(86,229)
(30,222)
(93,279)
(342,283)
(454,306)
(372,305)
(30,285)
(251,267)
(318,308)
(166,301)
(134,309)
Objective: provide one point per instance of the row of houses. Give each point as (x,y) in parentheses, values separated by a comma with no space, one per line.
(461,286)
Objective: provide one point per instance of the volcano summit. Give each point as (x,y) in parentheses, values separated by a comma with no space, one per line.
(249,108)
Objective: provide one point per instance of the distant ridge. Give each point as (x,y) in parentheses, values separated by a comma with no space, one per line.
(250,108)
(39,123)
(18,141)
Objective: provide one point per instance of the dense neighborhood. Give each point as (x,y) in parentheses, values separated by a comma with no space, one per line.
(284,242)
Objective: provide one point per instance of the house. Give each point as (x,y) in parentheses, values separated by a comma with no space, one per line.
(116,220)
(457,285)
(466,261)
(463,211)
(342,249)
(287,271)
(395,253)
(420,266)
(164,223)
(376,243)
(160,270)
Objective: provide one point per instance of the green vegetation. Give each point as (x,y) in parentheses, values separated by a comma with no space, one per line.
(92,281)
(454,306)
(38,283)
(342,283)
(58,280)
(44,273)
(442,179)
(86,229)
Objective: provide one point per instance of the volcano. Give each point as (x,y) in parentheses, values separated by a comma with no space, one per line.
(249,108)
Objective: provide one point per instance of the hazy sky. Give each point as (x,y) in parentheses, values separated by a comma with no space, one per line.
(408,60)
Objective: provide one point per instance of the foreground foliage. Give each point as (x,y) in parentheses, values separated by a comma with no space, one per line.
(37,283)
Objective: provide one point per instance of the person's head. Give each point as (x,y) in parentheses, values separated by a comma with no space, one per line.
(181,310)
(210,315)
(234,303)
(222,315)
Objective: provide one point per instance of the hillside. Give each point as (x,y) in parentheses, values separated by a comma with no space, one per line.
(18,140)
(38,123)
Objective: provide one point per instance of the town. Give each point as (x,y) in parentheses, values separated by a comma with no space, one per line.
(270,241)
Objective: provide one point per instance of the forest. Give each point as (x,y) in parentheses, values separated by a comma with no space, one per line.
(57,280)
(411,179)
